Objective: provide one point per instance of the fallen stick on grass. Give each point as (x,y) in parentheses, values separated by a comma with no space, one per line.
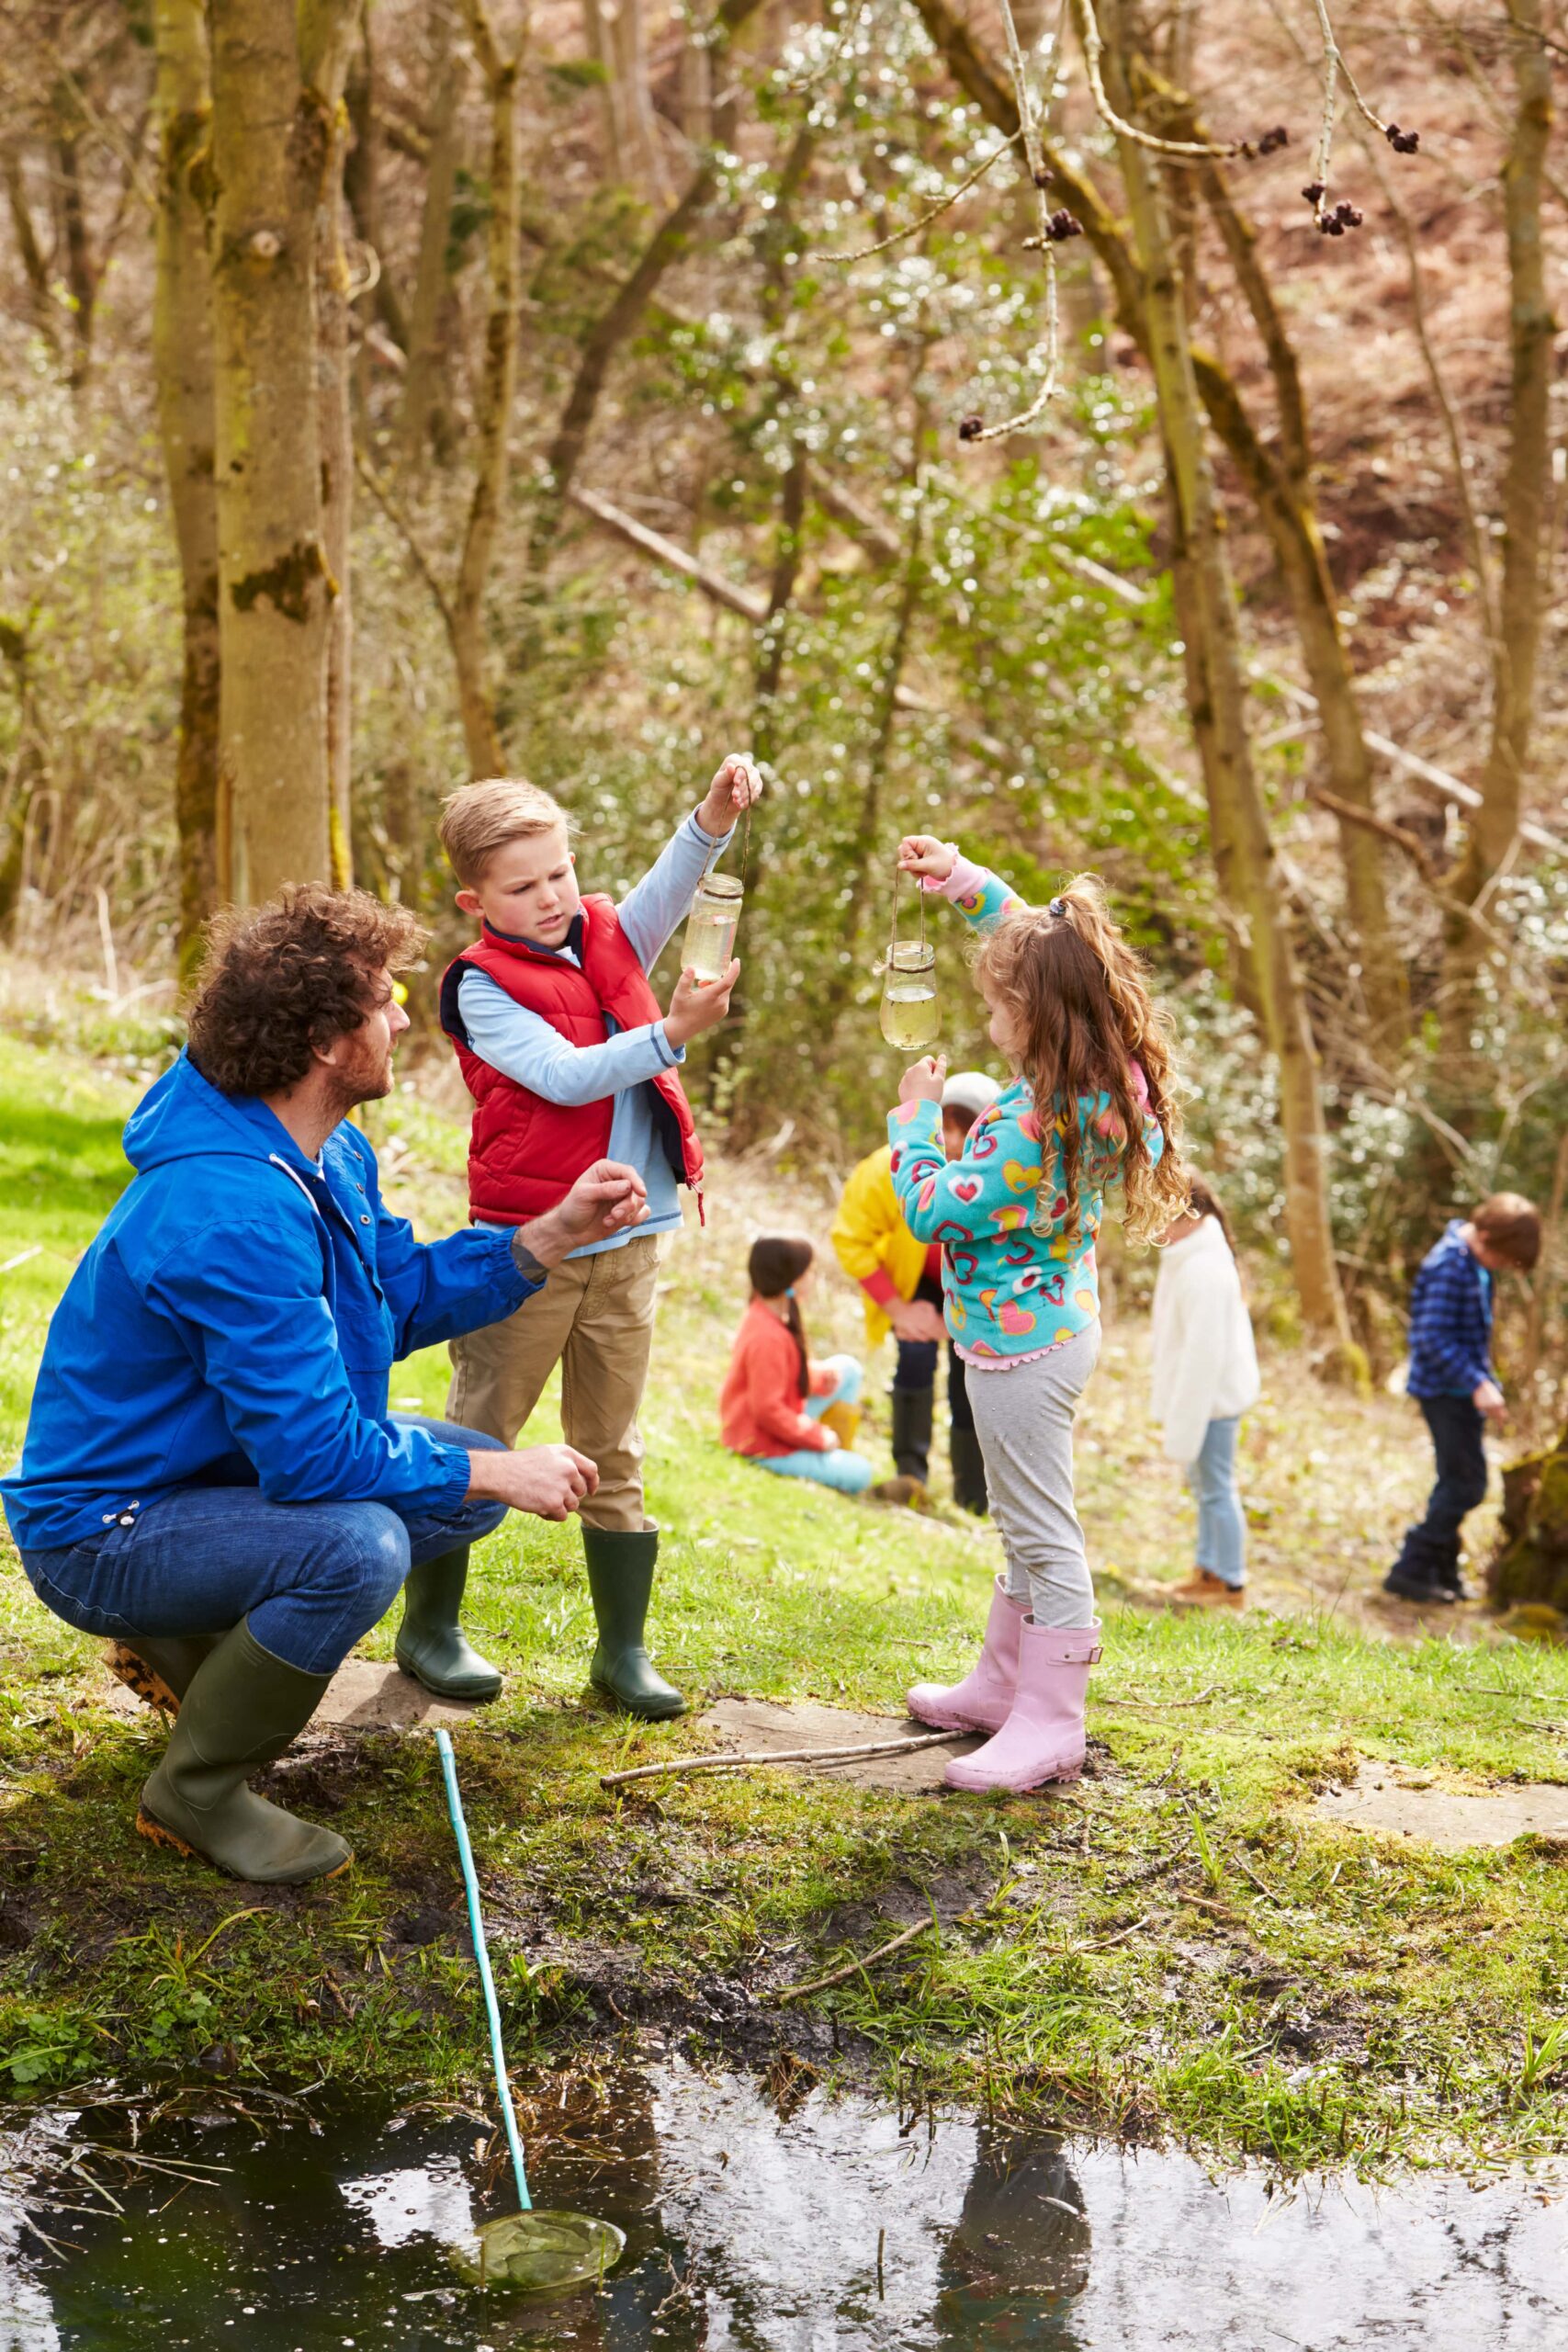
(853,1967)
(727,1763)
(1103,1699)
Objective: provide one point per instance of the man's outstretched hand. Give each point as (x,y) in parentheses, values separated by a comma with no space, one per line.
(549,1480)
(605,1199)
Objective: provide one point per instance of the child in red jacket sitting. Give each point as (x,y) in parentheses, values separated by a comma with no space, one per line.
(776,1407)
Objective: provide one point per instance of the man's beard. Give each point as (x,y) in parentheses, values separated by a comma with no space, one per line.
(368,1079)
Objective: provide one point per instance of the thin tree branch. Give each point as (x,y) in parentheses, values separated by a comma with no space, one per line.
(385,499)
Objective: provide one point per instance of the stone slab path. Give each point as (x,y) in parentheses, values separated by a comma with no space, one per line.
(362,1695)
(1417,1806)
(764,1725)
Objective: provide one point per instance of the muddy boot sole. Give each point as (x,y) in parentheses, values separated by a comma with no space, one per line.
(145,1680)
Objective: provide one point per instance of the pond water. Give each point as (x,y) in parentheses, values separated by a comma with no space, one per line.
(820,2224)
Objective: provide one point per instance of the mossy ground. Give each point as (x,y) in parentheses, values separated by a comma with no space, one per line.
(1177,1945)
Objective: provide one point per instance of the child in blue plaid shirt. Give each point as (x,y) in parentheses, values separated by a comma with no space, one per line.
(1452,1381)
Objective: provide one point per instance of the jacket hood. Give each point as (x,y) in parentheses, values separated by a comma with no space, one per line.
(182,1117)
(1205,1240)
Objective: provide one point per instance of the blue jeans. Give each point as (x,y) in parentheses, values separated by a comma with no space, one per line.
(1430,1550)
(848,1473)
(311,1577)
(1222,1527)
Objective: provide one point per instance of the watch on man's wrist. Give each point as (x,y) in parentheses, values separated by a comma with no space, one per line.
(522,1257)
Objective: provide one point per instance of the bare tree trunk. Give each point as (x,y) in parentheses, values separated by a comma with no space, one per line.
(362,180)
(773,637)
(498,384)
(336,36)
(1243,850)
(599,18)
(34,266)
(1287,501)
(30,771)
(272,136)
(181,356)
(612,328)
(1532,328)
(423,380)
(631,40)
(619,321)
(81,271)
(835,994)
(697,82)
(336,426)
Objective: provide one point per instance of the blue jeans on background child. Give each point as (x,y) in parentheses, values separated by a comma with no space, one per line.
(1221,1524)
(311,1577)
(848,1473)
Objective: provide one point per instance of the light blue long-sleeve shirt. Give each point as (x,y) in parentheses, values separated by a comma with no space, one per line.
(525,1046)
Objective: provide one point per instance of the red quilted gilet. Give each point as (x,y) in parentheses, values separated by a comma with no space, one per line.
(524,1154)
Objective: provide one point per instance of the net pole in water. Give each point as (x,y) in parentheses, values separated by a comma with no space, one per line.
(481,1954)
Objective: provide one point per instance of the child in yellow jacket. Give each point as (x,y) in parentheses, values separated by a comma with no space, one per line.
(900,1281)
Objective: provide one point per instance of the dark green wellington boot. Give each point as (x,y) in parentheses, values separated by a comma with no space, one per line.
(620,1578)
(432,1646)
(914,1410)
(968,1472)
(243,1709)
(160,1668)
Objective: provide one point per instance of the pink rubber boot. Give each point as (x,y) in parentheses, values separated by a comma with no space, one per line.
(983,1700)
(1043,1738)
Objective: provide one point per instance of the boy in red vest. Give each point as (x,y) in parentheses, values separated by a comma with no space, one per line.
(564,1050)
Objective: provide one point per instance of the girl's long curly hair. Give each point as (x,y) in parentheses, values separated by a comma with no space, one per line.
(1081,996)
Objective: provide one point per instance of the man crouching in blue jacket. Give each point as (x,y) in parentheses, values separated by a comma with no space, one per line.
(211,1476)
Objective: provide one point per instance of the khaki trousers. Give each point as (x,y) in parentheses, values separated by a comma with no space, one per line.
(595,1317)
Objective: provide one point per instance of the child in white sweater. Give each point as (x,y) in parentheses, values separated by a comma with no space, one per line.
(1205,1378)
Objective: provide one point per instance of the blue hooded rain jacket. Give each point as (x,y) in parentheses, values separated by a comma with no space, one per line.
(234,1323)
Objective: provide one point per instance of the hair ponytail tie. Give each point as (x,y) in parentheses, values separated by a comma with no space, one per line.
(1058,907)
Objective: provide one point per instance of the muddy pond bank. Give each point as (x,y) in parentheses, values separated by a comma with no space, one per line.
(777,2220)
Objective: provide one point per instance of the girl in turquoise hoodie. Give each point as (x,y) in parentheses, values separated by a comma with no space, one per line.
(1018,1216)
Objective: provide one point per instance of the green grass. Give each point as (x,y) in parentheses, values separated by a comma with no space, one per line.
(1178,1945)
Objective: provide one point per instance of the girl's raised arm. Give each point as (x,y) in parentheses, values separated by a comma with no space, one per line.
(983,899)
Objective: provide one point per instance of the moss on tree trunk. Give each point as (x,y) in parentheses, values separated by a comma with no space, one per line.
(1531,1564)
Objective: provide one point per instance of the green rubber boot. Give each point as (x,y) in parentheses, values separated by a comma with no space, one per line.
(620,1578)
(432,1646)
(241,1709)
(160,1668)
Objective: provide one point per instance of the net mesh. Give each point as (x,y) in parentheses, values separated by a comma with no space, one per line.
(541,2254)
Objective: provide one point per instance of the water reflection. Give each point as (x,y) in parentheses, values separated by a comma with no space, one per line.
(820,2226)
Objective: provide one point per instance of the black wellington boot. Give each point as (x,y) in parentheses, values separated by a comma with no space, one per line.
(242,1708)
(160,1668)
(620,1580)
(914,1410)
(432,1646)
(968,1473)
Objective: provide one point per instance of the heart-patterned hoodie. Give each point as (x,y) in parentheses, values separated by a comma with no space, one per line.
(1014,1282)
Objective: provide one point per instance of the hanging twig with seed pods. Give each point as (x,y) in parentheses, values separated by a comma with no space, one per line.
(1056,228)
(866,253)
(1333,221)
(1178,151)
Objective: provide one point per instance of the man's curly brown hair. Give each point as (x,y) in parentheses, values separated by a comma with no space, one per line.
(281,979)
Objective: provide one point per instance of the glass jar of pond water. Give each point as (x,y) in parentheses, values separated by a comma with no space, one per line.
(909,1018)
(711,925)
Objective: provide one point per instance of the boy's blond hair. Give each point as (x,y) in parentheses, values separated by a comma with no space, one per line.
(478,819)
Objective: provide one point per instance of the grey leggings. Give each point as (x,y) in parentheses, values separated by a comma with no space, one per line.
(1025,1417)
